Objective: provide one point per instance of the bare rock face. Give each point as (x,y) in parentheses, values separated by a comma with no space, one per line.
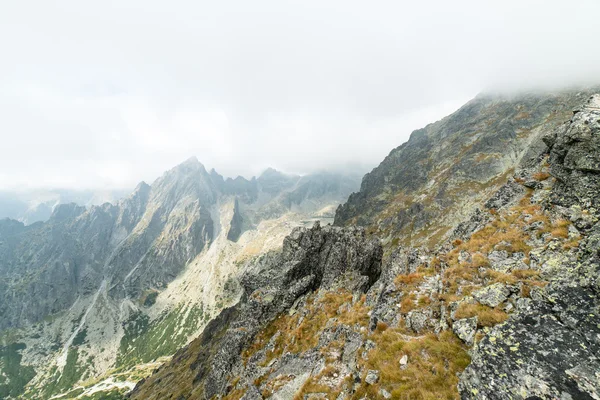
(465,329)
(550,349)
(236,227)
(575,157)
(311,259)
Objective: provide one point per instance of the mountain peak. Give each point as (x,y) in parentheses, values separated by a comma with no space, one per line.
(270,172)
(191,162)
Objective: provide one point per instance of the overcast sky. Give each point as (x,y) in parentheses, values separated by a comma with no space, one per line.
(100,94)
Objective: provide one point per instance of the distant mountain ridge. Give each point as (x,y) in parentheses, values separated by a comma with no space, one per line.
(30,206)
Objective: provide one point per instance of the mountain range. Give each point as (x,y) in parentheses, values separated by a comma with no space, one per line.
(464,266)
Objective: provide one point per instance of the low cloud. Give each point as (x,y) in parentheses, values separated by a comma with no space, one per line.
(104,95)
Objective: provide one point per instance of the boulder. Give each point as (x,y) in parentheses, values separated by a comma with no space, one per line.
(465,329)
(492,295)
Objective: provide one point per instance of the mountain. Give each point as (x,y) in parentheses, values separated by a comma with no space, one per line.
(465,266)
(424,187)
(93,298)
(484,287)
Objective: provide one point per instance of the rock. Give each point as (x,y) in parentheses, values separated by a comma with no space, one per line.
(550,351)
(549,347)
(385,394)
(404,362)
(533,184)
(236,227)
(372,377)
(582,219)
(575,159)
(418,320)
(465,329)
(464,257)
(500,261)
(406,192)
(252,394)
(492,295)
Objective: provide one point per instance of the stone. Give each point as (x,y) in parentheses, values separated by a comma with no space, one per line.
(385,394)
(372,377)
(492,295)
(538,353)
(404,362)
(465,329)
(320,258)
(418,320)
(549,347)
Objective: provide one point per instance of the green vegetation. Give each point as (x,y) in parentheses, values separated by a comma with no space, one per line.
(73,372)
(146,340)
(13,376)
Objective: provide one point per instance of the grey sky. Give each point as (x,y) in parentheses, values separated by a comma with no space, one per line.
(105,94)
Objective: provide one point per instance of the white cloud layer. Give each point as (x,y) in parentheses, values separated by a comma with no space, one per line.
(105,94)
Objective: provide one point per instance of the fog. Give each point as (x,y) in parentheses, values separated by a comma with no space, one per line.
(105,94)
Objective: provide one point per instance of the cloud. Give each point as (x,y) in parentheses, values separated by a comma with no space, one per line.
(97,95)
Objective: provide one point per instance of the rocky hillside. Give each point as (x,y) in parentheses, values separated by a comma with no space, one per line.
(503,304)
(97,296)
(316,260)
(424,187)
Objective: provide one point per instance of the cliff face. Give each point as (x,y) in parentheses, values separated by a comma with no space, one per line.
(426,186)
(505,308)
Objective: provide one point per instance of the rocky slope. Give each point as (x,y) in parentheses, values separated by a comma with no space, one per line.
(424,187)
(502,305)
(312,260)
(551,347)
(93,298)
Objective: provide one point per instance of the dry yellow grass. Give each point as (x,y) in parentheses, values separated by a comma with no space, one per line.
(486,316)
(560,228)
(299,335)
(431,372)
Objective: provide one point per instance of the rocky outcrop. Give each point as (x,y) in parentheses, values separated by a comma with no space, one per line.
(550,348)
(575,158)
(311,259)
(236,227)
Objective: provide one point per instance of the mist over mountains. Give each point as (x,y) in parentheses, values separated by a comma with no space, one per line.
(306,200)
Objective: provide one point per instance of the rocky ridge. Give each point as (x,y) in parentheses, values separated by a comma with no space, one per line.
(311,259)
(426,186)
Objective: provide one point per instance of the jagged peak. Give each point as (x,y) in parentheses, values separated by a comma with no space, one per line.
(142,187)
(192,162)
(270,173)
(65,211)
